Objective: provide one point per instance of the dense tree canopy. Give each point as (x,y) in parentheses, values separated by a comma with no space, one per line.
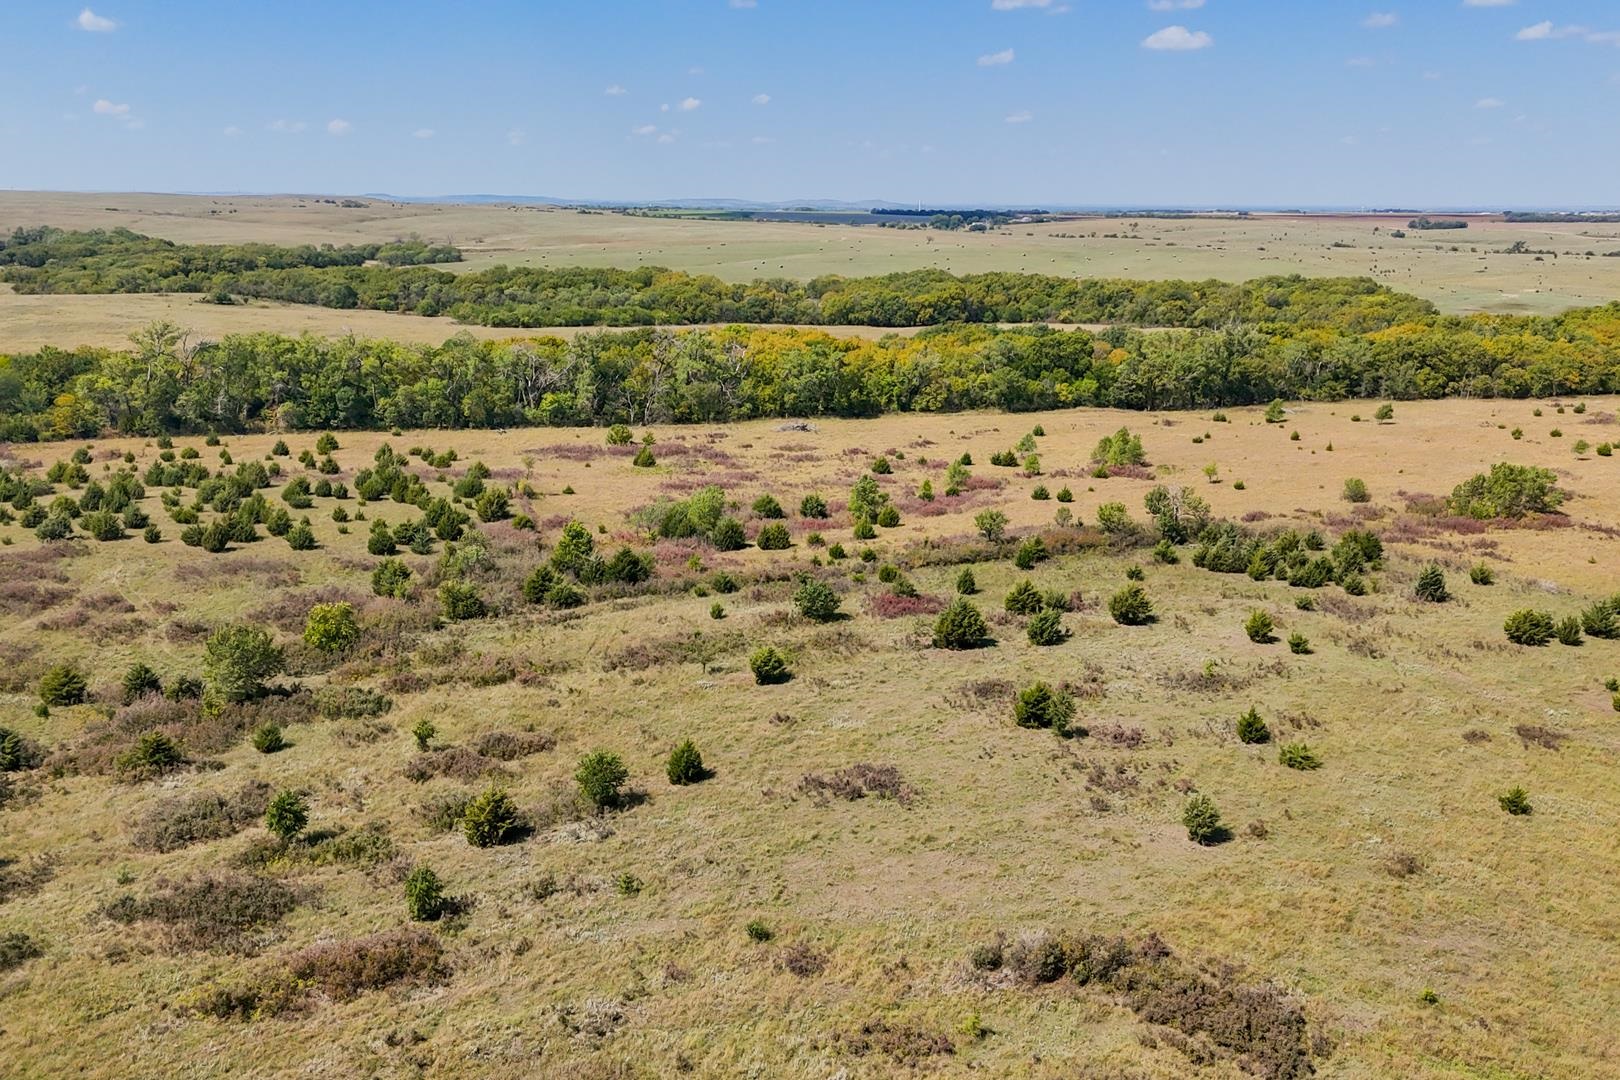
(248,381)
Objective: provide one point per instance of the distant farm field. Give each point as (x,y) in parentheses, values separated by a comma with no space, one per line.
(882,873)
(1460,271)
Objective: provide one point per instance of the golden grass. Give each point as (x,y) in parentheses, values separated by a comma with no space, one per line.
(1474,277)
(1509,922)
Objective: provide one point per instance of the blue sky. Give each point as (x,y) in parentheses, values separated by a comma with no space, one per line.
(1061,102)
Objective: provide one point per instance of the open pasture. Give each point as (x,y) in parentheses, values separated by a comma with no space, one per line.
(788,915)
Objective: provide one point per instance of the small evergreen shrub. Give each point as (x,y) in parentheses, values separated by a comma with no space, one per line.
(1528,627)
(1355,491)
(960,626)
(1023,599)
(1298,756)
(769,666)
(1515,801)
(773,537)
(1042,706)
(490,819)
(1046,628)
(1299,644)
(601,775)
(1251,729)
(62,685)
(286,816)
(423,732)
(1202,820)
(1131,606)
(813,506)
(966,583)
(459,601)
(424,895)
(1431,585)
(331,627)
(1568,630)
(1481,574)
(685,765)
(816,600)
(1258,626)
(139,681)
(268,739)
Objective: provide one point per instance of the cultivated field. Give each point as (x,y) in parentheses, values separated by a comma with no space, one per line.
(829,900)
(1460,271)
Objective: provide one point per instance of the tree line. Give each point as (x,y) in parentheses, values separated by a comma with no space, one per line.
(53,261)
(273,381)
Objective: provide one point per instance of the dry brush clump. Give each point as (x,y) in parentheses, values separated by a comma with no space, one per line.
(1259,1026)
(193,819)
(857,782)
(211,911)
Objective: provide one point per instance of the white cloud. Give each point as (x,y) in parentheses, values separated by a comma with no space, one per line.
(1178,39)
(515,137)
(762,99)
(423,133)
(287,127)
(103,107)
(688,104)
(1546,31)
(666,138)
(1489,103)
(615,91)
(1380,20)
(1361,62)
(745,4)
(96,24)
(762,140)
(231,131)
(644,129)
(1014,5)
(1348,140)
(996,59)
(338,127)
(1174,5)
(1489,3)
(1432,76)
(1022,116)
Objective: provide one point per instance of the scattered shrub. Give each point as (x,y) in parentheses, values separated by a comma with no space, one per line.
(1046,628)
(1515,801)
(816,600)
(769,666)
(1355,491)
(286,816)
(238,660)
(1202,820)
(1298,756)
(600,776)
(960,626)
(268,739)
(685,765)
(1431,585)
(491,818)
(62,685)
(1259,626)
(1251,729)
(1131,606)
(1042,706)
(424,895)
(1527,627)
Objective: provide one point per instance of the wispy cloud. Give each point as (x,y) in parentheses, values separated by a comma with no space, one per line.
(515,137)
(423,133)
(1178,39)
(996,59)
(96,24)
(1015,5)
(762,99)
(745,4)
(1022,116)
(1547,31)
(287,127)
(666,138)
(1380,20)
(644,129)
(231,131)
(338,127)
(615,91)
(103,107)
(1489,3)
(1489,103)
(688,104)
(1174,5)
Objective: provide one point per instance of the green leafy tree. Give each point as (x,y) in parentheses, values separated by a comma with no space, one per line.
(238,660)
(331,627)
(992,524)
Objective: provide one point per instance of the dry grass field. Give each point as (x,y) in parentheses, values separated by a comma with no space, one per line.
(1423,931)
(1459,271)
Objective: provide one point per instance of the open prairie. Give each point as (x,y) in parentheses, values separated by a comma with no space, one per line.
(878,871)
(1460,271)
